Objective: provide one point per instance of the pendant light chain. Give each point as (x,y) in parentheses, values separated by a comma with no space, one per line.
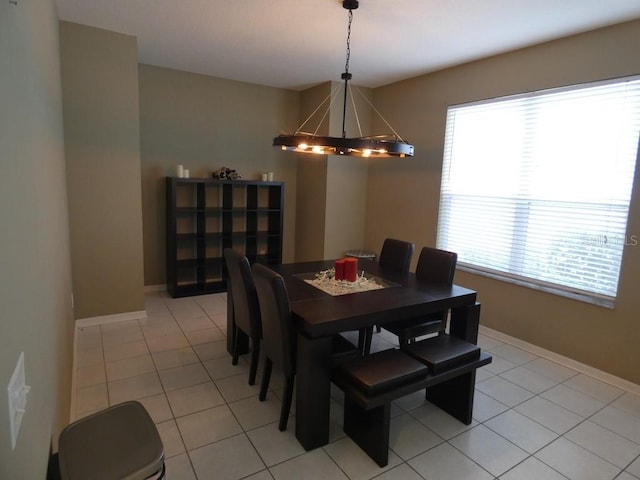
(346,65)
(346,76)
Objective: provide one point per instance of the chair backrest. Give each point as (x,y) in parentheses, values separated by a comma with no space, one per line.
(278,335)
(246,310)
(436,266)
(396,255)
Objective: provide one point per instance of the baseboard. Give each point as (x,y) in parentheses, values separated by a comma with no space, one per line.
(90,322)
(106,319)
(562,360)
(72,408)
(155,288)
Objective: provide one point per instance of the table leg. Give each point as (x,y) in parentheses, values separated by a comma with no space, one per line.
(465,322)
(313,391)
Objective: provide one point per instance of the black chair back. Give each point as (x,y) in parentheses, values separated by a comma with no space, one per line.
(278,336)
(436,266)
(243,291)
(396,255)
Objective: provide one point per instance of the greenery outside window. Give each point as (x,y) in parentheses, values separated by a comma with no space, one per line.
(536,187)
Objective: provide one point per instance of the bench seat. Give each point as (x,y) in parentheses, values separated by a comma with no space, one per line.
(450,386)
(443,352)
(430,380)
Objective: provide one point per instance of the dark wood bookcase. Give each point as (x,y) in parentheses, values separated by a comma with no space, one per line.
(205,216)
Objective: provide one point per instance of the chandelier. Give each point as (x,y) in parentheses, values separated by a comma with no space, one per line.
(388,145)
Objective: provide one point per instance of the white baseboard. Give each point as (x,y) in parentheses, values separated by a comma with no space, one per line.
(562,360)
(105,319)
(90,322)
(155,288)
(72,408)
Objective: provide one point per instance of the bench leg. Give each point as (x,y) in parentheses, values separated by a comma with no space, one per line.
(455,396)
(369,429)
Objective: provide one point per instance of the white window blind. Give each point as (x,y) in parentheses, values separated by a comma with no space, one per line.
(536,188)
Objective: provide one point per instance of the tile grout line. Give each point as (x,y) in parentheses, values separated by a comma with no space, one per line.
(186,451)
(268,469)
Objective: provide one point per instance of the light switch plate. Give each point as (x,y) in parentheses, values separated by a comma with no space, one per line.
(17,391)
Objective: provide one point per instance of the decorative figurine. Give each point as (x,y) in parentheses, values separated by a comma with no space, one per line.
(226,173)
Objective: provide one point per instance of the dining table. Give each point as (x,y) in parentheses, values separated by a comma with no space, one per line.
(318,315)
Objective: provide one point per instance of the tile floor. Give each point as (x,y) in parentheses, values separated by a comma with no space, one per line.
(533,419)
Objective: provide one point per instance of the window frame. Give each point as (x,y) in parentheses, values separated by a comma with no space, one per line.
(568,291)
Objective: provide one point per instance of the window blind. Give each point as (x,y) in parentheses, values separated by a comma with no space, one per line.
(536,188)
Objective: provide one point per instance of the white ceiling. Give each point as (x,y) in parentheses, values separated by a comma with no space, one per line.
(299,43)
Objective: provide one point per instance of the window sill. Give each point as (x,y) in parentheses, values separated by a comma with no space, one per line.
(585,297)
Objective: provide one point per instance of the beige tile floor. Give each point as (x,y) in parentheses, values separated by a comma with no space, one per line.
(533,419)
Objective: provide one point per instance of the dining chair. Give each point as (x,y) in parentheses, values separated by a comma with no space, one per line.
(246,310)
(395,255)
(279,337)
(437,267)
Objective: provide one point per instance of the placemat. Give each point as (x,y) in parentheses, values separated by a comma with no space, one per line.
(326,282)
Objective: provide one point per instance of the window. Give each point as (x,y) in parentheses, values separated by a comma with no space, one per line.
(536,187)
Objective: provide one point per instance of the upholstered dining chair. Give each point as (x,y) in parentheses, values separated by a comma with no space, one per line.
(395,255)
(437,267)
(246,310)
(279,336)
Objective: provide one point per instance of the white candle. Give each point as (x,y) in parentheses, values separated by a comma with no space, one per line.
(264,177)
(270,176)
(180,171)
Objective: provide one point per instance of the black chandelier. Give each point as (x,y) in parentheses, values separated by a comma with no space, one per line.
(389,145)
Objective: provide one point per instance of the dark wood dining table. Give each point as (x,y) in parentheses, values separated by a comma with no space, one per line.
(318,316)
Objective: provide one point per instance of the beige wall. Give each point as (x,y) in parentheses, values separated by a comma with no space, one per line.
(403,195)
(102,142)
(311,178)
(332,190)
(205,123)
(346,195)
(346,204)
(311,205)
(332,198)
(35,298)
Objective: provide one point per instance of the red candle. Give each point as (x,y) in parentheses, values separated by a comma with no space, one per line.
(351,269)
(340,269)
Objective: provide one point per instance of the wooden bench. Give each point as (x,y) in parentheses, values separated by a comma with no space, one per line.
(449,382)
